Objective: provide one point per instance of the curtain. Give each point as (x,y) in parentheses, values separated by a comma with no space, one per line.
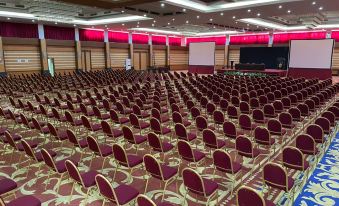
(219,40)
(335,35)
(174,41)
(59,33)
(91,35)
(8,29)
(282,38)
(158,40)
(249,39)
(140,38)
(120,37)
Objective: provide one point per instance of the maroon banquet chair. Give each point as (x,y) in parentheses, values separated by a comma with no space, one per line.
(245,148)
(156,114)
(198,185)
(306,144)
(157,128)
(177,118)
(316,132)
(223,105)
(286,120)
(201,124)
(138,124)
(210,108)
(275,176)
(224,163)
(159,171)
(232,112)
(99,115)
(218,118)
(101,150)
(269,111)
(120,195)
(158,145)
(247,196)
(109,131)
(304,110)
(324,124)
(77,143)
(58,167)
(85,179)
(143,200)
(245,123)
(293,158)
(210,140)
(296,114)
(244,108)
(274,126)
(335,111)
(188,154)
(74,122)
(262,136)
(181,133)
(116,119)
(141,114)
(230,130)
(133,139)
(278,106)
(258,116)
(330,117)
(8,187)
(92,127)
(130,161)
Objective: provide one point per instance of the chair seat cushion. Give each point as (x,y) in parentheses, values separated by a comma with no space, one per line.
(125,193)
(139,139)
(3,130)
(106,150)
(31,143)
(143,125)
(198,155)
(16,137)
(168,171)
(117,133)
(89,178)
(191,136)
(165,130)
(83,143)
(166,146)
(96,127)
(62,134)
(7,185)
(210,186)
(134,160)
(105,116)
(123,120)
(24,200)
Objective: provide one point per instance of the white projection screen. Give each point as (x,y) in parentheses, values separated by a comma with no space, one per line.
(311,54)
(202,54)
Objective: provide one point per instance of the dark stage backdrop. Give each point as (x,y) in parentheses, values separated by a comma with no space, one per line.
(272,57)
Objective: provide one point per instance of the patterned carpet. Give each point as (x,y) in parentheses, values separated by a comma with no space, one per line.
(35,180)
(322,188)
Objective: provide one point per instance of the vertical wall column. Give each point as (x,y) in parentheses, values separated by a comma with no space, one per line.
(151,63)
(43,49)
(167,52)
(107,51)
(270,41)
(130,42)
(78,50)
(2,60)
(227,46)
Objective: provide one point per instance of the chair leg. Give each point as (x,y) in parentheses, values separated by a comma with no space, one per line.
(70,197)
(59,182)
(146,185)
(87,193)
(163,192)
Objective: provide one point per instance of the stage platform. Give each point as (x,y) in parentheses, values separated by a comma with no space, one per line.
(278,72)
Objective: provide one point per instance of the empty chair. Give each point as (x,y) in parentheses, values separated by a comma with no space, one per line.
(232,112)
(157,128)
(324,124)
(138,124)
(258,116)
(143,200)
(275,127)
(109,131)
(181,133)
(158,145)
(159,171)
(82,143)
(293,158)
(116,119)
(99,115)
(131,138)
(130,161)
(101,150)
(156,114)
(330,117)
(262,136)
(244,108)
(187,153)
(120,195)
(244,147)
(198,185)
(316,132)
(218,118)
(85,179)
(286,120)
(296,114)
(306,144)
(224,163)
(269,111)
(210,140)
(141,114)
(201,123)
(177,118)
(275,176)
(245,123)
(247,196)
(230,130)
(93,127)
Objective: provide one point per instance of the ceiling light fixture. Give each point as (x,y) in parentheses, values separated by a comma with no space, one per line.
(321,8)
(217,33)
(162,5)
(198,17)
(233,17)
(184,10)
(249,10)
(264,23)
(111,20)
(156,31)
(222,14)
(288,11)
(280,7)
(314,3)
(16,14)
(258,14)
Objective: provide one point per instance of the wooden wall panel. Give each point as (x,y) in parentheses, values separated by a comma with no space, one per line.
(159,57)
(22,58)
(219,57)
(178,57)
(64,57)
(233,55)
(335,61)
(98,58)
(118,57)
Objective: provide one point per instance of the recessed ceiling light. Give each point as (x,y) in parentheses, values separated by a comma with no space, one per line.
(288,11)
(233,17)
(92,27)
(137,25)
(257,26)
(280,7)
(249,10)
(247,24)
(8,18)
(321,8)
(258,14)
(138,22)
(154,21)
(187,22)
(122,11)
(213,27)
(198,17)
(106,26)
(162,4)
(74,25)
(236,22)
(222,14)
(173,19)
(123,24)
(56,23)
(153,25)
(314,3)
(184,10)
(168,23)
(145,14)
(33,20)
(211,19)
